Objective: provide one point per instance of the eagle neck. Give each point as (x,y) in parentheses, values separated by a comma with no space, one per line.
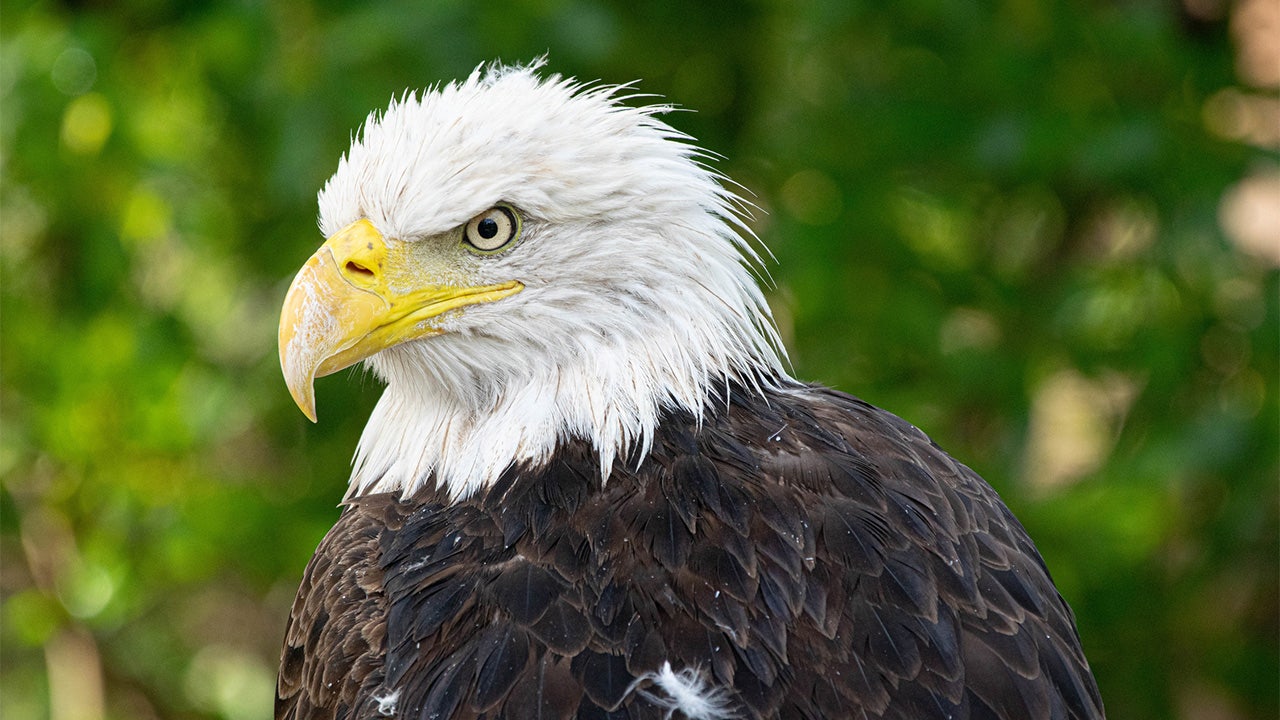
(423,437)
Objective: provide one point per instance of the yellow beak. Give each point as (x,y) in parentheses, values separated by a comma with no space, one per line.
(340,309)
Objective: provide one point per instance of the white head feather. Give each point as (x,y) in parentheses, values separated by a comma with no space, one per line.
(638,292)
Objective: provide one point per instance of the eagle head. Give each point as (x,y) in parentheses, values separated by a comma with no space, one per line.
(523,261)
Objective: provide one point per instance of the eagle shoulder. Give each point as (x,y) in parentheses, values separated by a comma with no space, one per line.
(336,634)
(943,601)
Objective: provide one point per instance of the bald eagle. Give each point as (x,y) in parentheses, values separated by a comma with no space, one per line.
(591,489)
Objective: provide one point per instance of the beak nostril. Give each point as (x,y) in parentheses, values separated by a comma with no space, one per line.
(354,268)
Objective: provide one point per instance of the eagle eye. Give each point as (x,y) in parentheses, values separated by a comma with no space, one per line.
(492,229)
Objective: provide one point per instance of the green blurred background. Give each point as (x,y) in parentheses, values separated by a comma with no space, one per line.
(1045,232)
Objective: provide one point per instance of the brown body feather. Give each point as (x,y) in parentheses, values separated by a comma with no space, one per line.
(813,556)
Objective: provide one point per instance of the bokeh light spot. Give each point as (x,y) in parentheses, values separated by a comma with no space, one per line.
(86,124)
(812,197)
(74,72)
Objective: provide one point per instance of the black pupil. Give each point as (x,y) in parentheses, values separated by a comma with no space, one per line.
(487,228)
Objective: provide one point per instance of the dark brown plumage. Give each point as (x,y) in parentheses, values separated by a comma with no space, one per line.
(812,555)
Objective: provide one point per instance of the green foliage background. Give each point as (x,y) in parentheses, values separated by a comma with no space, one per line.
(1003,221)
